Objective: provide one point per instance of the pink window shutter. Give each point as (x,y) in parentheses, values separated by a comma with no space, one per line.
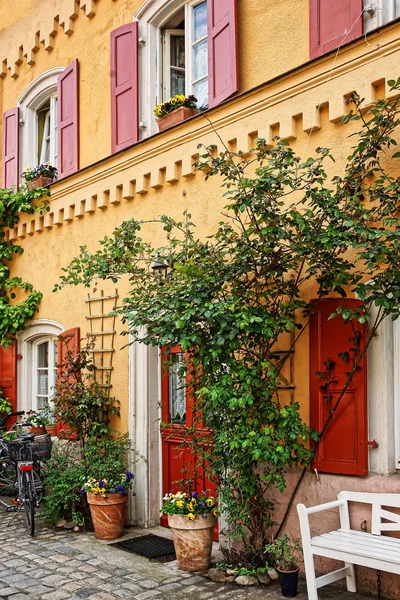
(334,23)
(223,71)
(11,148)
(68,120)
(124,87)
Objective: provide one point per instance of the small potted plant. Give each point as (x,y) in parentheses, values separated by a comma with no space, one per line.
(36,421)
(51,420)
(286,552)
(191,518)
(40,176)
(176,110)
(107,499)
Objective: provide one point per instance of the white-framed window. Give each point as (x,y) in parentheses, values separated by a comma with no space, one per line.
(44,369)
(39,118)
(185,53)
(37,372)
(173,39)
(380,12)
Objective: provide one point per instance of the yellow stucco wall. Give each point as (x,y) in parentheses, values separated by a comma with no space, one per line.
(265,28)
(156,176)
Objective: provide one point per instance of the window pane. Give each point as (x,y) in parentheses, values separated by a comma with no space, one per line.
(200,21)
(178,51)
(200,57)
(200,90)
(43,355)
(177,82)
(177,390)
(43,383)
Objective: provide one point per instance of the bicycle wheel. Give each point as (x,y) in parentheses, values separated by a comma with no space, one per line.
(27,492)
(8,478)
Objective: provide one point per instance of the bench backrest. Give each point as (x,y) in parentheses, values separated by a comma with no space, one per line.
(378,502)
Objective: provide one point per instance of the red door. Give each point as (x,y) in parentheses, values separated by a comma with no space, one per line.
(8,376)
(180,470)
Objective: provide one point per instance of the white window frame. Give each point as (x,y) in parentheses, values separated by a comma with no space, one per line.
(152,17)
(27,340)
(30,101)
(381,12)
(53,132)
(167,66)
(52,378)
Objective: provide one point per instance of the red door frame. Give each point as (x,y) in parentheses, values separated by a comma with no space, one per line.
(172,435)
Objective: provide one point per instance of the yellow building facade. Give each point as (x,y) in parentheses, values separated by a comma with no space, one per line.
(294,72)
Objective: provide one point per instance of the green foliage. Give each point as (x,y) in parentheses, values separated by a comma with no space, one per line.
(14,311)
(230,299)
(190,505)
(70,467)
(286,552)
(5,404)
(64,475)
(79,400)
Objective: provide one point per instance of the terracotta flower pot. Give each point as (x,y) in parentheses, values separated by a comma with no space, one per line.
(51,430)
(193,541)
(108,515)
(174,117)
(39,182)
(37,430)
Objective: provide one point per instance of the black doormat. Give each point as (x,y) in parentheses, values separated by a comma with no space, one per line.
(151,546)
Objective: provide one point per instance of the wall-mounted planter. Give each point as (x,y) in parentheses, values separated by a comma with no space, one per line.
(174,117)
(39,182)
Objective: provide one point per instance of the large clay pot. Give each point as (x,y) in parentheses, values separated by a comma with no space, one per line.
(174,117)
(193,541)
(108,515)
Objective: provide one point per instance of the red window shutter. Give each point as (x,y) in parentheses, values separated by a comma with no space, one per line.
(343,448)
(124,87)
(70,340)
(11,148)
(223,71)
(8,375)
(330,21)
(68,120)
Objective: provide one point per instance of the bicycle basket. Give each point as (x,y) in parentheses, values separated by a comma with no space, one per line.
(35,451)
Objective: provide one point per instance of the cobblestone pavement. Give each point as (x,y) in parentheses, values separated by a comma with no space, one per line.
(57,565)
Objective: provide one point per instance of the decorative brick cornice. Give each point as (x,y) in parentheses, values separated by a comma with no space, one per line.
(39,29)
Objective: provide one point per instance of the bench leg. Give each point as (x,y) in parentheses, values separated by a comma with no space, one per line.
(351,579)
(310,574)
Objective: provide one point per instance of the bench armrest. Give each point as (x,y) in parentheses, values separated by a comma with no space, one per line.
(321,507)
(304,512)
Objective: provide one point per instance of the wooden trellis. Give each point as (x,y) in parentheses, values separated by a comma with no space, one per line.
(284,361)
(102,330)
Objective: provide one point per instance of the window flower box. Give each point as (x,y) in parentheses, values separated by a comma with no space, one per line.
(176,110)
(40,176)
(39,182)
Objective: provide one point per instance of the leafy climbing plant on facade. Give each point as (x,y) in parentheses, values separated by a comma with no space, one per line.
(18,299)
(290,234)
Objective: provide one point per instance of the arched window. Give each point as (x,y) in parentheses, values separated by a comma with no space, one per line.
(39,119)
(37,364)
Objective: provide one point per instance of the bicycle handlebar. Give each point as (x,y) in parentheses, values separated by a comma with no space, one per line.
(17,413)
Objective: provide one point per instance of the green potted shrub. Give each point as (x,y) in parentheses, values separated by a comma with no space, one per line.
(191,518)
(177,109)
(41,176)
(286,552)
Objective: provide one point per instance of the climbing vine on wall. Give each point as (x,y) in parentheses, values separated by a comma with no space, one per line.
(228,299)
(18,300)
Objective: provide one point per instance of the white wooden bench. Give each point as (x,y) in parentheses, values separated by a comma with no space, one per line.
(353,547)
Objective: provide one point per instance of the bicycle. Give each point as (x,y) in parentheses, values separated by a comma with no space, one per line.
(8,474)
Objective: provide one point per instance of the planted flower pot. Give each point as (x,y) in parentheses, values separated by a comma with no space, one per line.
(37,430)
(40,181)
(192,541)
(51,430)
(174,117)
(289,582)
(108,515)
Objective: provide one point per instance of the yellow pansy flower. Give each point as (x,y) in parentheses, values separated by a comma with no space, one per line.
(191,517)
(179,503)
(210,501)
